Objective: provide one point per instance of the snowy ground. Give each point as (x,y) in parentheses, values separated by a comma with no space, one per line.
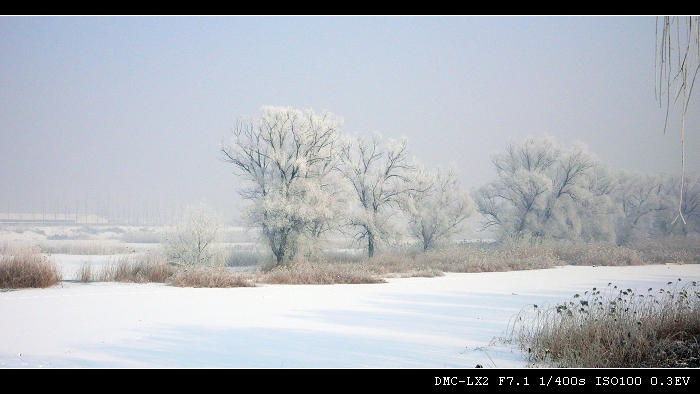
(439,322)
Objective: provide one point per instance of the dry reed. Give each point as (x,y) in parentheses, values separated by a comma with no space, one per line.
(24,266)
(219,277)
(614,328)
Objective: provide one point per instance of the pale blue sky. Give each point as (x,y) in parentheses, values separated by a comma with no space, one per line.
(133,109)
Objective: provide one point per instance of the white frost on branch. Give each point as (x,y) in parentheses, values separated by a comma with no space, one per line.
(436,207)
(379,177)
(194,241)
(285,159)
(545,190)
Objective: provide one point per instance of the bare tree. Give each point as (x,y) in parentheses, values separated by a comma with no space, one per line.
(379,178)
(193,240)
(284,159)
(436,207)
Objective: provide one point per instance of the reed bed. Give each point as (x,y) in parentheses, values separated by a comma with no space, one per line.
(142,268)
(678,250)
(220,277)
(614,328)
(489,258)
(319,273)
(144,264)
(24,266)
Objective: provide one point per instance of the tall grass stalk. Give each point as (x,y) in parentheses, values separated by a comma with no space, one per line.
(613,328)
(142,268)
(219,277)
(320,273)
(24,266)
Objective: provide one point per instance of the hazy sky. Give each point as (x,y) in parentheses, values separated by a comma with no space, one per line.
(132,110)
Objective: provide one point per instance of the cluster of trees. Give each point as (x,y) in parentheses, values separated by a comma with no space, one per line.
(304,179)
(545,190)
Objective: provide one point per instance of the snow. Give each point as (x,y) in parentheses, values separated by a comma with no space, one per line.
(442,322)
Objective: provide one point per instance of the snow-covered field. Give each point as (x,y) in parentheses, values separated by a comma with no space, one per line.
(438,322)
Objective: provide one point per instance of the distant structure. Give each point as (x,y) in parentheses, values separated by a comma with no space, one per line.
(38,218)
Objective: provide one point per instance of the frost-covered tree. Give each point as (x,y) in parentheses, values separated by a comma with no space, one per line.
(597,212)
(649,206)
(639,197)
(285,159)
(544,190)
(666,220)
(580,204)
(379,177)
(514,203)
(193,240)
(436,206)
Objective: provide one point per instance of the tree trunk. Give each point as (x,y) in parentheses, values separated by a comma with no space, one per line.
(278,245)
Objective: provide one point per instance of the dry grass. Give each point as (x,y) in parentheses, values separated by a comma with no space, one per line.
(614,328)
(336,267)
(143,268)
(489,258)
(25,266)
(481,257)
(676,250)
(595,254)
(319,273)
(399,266)
(672,250)
(220,277)
(152,267)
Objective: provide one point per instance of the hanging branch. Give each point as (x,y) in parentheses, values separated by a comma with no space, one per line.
(684,34)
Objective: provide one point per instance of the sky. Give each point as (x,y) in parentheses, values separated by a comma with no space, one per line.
(438,323)
(127,113)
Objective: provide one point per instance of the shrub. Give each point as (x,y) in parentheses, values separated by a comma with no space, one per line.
(194,240)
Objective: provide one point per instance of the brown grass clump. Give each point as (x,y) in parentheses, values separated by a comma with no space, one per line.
(319,273)
(490,258)
(219,277)
(596,254)
(614,328)
(401,265)
(26,267)
(136,269)
(671,250)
